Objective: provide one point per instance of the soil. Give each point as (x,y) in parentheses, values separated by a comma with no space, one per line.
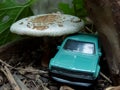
(23,59)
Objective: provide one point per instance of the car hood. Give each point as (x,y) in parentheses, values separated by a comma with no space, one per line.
(83,63)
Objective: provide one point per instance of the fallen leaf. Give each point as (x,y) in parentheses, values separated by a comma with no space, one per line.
(66,88)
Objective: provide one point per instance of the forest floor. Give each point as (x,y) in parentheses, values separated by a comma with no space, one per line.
(23,69)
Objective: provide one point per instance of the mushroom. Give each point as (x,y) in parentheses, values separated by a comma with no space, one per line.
(47,25)
(55,24)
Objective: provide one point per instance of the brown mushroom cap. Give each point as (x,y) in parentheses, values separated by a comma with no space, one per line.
(47,25)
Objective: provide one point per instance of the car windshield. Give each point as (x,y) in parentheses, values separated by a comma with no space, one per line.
(78,46)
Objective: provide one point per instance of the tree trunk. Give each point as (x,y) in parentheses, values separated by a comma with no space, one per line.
(106,17)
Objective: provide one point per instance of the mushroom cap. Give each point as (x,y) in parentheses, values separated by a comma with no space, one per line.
(47,25)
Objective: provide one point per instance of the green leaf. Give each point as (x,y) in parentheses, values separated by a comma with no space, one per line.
(77,9)
(7,36)
(11,11)
(66,8)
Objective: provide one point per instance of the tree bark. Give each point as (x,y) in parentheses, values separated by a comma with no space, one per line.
(106,17)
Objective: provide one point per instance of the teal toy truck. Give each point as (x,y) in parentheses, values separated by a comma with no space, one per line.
(77,60)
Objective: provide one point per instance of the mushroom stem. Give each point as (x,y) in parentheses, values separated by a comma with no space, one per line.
(50,48)
(46,52)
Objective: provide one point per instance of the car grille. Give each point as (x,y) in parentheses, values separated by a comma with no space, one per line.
(72,73)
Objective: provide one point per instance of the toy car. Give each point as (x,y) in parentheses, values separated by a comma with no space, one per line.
(77,60)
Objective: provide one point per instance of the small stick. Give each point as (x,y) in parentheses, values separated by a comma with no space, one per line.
(5,63)
(32,70)
(88,29)
(8,74)
(20,83)
(105,77)
(25,70)
(44,87)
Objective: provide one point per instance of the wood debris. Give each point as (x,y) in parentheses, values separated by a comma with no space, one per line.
(20,78)
(10,78)
(33,78)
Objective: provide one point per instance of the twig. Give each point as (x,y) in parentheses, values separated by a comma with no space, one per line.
(32,70)
(20,83)
(105,77)
(89,29)
(1,61)
(24,70)
(10,78)
(44,87)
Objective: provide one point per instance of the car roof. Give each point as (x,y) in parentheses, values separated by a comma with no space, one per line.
(84,37)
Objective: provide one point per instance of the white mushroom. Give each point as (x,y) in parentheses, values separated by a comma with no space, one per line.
(47,25)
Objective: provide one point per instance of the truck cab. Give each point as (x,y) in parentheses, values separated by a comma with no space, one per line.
(77,60)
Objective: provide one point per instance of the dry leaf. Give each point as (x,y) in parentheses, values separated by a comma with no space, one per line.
(66,88)
(113,88)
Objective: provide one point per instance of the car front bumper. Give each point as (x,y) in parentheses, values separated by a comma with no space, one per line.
(71,80)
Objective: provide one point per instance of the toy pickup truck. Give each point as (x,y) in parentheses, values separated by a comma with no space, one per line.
(77,60)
